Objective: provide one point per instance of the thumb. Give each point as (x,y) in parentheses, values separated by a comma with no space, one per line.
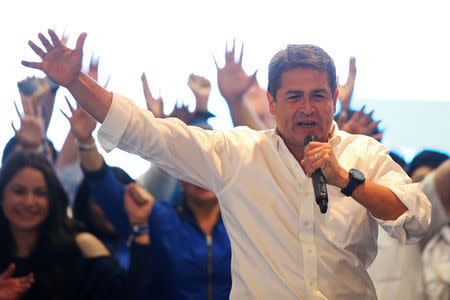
(342,119)
(8,272)
(80,41)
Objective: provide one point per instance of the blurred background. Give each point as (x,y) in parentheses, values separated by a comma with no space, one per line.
(401,47)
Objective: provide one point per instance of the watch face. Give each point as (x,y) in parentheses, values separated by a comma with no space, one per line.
(357,175)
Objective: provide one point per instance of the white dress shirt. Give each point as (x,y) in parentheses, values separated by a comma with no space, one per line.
(436,261)
(282,246)
(397,271)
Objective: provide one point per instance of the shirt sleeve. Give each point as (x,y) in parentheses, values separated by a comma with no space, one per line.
(411,225)
(203,157)
(108,192)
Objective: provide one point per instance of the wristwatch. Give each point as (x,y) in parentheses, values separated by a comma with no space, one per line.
(138,230)
(356,179)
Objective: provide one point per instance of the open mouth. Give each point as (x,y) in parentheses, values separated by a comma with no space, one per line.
(307,123)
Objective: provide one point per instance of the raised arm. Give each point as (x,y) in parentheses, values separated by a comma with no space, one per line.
(346,90)
(233,84)
(63,66)
(201,87)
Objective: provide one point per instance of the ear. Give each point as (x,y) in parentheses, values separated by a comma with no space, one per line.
(335,100)
(272,103)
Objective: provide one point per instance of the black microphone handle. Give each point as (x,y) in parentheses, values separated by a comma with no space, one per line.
(320,190)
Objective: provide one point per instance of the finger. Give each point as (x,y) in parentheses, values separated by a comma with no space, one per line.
(55,39)
(36,49)
(107,81)
(14,128)
(72,109)
(241,55)
(366,118)
(233,49)
(8,272)
(215,62)
(144,79)
(372,127)
(45,42)
(378,136)
(352,66)
(342,118)
(80,41)
(34,65)
(17,110)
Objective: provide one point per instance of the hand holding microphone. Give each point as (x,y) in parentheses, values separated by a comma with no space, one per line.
(319,180)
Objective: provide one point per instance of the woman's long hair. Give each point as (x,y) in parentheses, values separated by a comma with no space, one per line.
(56,240)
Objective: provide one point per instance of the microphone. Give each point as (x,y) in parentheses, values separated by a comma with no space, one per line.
(318,180)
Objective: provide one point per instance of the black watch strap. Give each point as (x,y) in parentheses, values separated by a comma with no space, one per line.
(356,179)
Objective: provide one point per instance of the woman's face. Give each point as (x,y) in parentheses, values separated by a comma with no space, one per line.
(25,200)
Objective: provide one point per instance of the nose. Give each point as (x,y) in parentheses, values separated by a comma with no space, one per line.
(29,199)
(307,107)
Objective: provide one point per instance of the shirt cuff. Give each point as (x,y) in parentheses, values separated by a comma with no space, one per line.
(115,123)
(409,227)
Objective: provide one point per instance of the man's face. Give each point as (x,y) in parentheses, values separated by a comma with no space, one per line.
(304,105)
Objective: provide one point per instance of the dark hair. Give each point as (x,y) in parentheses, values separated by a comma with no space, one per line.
(398,159)
(56,240)
(14,141)
(429,158)
(300,56)
(82,209)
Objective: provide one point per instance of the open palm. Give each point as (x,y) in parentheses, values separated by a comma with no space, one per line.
(59,63)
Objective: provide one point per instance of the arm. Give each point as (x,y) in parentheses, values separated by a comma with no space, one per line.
(201,87)
(381,202)
(91,246)
(69,153)
(103,185)
(346,90)
(233,84)
(138,205)
(63,66)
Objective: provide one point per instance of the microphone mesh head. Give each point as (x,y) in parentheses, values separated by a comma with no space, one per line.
(310,138)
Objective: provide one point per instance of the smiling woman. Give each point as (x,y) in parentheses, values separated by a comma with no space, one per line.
(44,254)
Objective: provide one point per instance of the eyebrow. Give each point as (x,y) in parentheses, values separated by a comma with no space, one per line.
(294,92)
(320,91)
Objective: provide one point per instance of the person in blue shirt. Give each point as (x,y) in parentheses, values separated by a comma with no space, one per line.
(179,250)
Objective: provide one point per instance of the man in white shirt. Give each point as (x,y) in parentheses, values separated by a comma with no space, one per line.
(283,247)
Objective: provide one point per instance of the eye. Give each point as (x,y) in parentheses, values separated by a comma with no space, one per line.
(41,192)
(293,98)
(319,97)
(18,190)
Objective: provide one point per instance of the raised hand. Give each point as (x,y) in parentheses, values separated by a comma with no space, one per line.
(346,90)
(138,203)
(232,80)
(201,87)
(14,288)
(31,131)
(154,105)
(181,112)
(59,63)
(359,123)
(81,123)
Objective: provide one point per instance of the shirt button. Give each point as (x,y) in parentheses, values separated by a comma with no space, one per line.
(306,223)
(309,251)
(311,283)
(306,194)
